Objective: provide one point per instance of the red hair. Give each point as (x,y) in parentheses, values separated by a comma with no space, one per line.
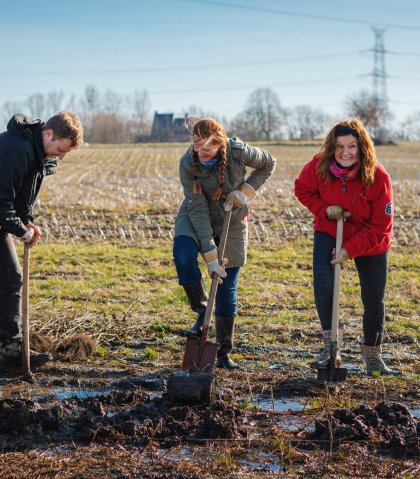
(212,132)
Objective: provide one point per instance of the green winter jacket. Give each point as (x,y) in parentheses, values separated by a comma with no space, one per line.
(201,218)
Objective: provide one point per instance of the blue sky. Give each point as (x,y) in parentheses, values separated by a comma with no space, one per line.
(211,54)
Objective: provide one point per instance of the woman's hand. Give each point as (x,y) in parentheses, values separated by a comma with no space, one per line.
(240,197)
(235,199)
(336,212)
(341,259)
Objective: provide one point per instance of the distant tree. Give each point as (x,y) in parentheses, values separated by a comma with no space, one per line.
(372,111)
(262,117)
(112,102)
(105,128)
(139,107)
(410,127)
(36,105)
(7,110)
(307,123)
(54,102)
(90,103)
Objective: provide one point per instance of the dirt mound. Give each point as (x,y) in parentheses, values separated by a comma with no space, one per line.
(40,343)
(80,346)
(390,423)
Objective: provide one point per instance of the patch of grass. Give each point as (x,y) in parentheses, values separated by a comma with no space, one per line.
(149,354)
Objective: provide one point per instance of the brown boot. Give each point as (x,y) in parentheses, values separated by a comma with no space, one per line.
(197,298)
(224,337)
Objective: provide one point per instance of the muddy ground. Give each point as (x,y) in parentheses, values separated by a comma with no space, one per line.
(90,418)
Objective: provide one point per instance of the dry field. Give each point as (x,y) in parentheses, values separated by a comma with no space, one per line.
(105,270)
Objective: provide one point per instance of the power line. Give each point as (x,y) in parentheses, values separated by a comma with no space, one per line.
(298,14)
(274,61)
(247,87)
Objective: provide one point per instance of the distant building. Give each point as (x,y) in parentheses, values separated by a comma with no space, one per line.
(166,128)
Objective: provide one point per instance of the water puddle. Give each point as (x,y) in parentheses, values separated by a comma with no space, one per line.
(280,404)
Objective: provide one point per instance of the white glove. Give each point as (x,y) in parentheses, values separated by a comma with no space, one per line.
(214,267)
(27,237)
(235,199)
(240,197)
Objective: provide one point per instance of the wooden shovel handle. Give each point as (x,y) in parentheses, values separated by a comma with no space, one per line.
(25,311)
(337,277)
(215,278)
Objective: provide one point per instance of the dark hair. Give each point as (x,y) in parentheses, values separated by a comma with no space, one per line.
(368,160)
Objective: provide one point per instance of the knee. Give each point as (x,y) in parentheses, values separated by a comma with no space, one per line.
(185,252)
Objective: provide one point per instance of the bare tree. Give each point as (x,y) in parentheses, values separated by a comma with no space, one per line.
(7,110)
(35,105)
(106,128)
(307,123)
(90,103)
(139,106)
(373,112)
(54,102)
(262,117)
(112,103)
(410,127)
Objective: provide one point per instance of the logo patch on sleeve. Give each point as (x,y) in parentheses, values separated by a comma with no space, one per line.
(389,209)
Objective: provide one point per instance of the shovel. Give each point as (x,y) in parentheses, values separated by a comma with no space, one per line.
(25,312)
(335,372)
(200,352)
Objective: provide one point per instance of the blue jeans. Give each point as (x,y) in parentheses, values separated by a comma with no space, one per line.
(185,251)
(372,270)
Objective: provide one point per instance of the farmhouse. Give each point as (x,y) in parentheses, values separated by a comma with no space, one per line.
(166,128)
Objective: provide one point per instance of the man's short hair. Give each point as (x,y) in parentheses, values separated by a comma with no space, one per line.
(66,124)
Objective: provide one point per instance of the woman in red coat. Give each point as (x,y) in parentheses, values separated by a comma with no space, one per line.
(346,180)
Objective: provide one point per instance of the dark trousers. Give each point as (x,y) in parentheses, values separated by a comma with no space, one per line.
(372,272)
(185,251)
(10,289)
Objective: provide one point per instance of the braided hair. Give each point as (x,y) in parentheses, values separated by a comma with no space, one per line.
(213,133)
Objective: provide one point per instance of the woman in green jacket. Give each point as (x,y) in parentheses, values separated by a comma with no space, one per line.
(214,179)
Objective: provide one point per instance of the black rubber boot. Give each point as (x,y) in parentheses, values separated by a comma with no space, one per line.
(197,298)
(11,355)
(224,338)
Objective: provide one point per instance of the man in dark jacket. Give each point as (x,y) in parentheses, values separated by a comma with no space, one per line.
(28,151)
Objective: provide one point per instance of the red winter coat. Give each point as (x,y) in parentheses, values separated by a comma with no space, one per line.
(368,231)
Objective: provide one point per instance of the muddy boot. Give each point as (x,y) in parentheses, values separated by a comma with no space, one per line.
(197,298)
(323,360)
(374,362)
(11,355)
(224,338)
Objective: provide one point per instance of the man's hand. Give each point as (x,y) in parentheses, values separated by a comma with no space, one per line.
(336,212)
(32,235)
(213,265)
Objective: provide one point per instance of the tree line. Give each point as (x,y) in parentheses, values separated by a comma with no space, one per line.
(110,117)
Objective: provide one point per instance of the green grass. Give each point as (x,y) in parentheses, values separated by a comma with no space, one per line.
(114,283)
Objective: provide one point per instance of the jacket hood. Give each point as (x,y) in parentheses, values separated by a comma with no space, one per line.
(30,129)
